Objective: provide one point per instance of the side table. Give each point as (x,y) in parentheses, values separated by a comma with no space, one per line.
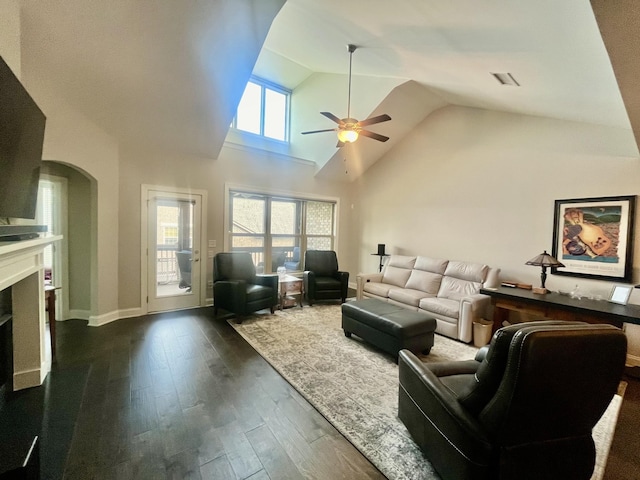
(381,255)
(290,287)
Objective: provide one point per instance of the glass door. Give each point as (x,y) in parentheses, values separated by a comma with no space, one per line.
(173,251)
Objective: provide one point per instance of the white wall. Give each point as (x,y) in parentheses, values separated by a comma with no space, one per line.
(73,139)
(475,185)
(255,169)
(10,35)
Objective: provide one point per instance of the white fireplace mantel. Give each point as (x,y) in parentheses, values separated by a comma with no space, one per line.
(22,269)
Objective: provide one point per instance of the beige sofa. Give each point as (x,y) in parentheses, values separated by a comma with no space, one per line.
(445,289)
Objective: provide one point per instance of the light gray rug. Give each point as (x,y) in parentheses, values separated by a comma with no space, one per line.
(356,387)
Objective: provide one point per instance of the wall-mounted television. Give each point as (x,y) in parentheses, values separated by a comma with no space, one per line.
(21,138)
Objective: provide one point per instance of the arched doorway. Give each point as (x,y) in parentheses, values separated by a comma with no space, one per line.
(71,192)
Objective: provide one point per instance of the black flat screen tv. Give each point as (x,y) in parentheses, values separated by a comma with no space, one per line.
(21,138)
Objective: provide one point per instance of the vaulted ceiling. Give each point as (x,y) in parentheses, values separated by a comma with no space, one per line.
(172,73)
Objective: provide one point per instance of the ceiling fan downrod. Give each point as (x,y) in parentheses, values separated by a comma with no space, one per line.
(352,48)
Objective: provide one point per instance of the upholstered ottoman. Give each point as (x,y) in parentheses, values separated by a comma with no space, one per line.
(387,326)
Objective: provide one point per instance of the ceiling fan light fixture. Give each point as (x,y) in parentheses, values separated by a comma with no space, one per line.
(347,136)
(349,129)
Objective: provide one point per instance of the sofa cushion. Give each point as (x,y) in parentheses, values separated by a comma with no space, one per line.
(401,261)
(474,272)
(425,281)
(441,306)
(456,289)
(376,288)
(407,296)
(434,265)
(396,276)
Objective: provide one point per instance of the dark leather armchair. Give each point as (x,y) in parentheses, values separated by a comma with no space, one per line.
(523,409)
(321,277)
(237,288)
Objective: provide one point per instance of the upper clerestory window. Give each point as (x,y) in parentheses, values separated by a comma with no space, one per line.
(264,110)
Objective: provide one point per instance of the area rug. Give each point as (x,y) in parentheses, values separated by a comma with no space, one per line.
(355,387)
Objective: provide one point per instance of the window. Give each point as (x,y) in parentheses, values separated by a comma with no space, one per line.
(264,110)
(276,230)
(169,234)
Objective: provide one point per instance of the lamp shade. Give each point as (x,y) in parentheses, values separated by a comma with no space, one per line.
(544,260)
(347,136)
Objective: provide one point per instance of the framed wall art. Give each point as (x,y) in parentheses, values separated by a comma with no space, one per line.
(593,237)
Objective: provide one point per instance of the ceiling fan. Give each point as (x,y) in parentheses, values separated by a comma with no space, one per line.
(349,128)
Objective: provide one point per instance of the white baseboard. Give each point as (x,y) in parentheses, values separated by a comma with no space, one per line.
(27,379)
(99,320)
(131,312)
(105,318)
(79,314)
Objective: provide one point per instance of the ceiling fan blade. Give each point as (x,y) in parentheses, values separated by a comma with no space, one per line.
(375,136)
(319,131)
(331,116)
(372,120)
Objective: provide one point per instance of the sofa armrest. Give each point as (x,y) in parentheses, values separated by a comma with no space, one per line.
(309,284)
(343,278)
(269,280)
(230,294)
(493,278)
(472,307)
(482,354)
(440,405)
(363,278)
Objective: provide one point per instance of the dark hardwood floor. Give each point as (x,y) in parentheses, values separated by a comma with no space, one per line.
(181,395)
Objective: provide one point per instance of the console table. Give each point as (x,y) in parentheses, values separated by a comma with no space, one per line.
(558,307)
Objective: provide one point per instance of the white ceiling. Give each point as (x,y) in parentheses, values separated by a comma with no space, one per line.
(552,48)
(171,73)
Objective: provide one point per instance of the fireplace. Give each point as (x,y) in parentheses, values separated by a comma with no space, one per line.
(23,312)
(6,346)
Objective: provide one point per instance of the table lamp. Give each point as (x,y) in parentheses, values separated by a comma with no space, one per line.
(543,260)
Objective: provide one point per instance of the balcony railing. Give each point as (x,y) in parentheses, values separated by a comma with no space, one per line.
(166,264)
(279,256)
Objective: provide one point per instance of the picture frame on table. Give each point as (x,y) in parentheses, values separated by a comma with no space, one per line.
(593,237)
(620,294)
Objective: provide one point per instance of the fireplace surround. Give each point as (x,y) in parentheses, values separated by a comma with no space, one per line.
(22,270)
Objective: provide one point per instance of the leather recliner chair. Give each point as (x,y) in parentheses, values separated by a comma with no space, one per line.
(237,288)
(321,277)
(523,409)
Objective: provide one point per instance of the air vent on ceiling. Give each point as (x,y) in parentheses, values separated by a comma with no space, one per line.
(505,79)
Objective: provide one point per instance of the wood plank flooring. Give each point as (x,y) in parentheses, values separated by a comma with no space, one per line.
(181,395)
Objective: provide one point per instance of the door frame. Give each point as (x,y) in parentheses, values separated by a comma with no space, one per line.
(144,228)
(61,248)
